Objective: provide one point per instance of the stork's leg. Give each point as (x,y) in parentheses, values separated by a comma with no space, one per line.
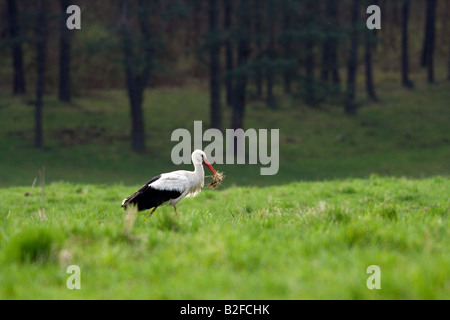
(151,212)
(175,208)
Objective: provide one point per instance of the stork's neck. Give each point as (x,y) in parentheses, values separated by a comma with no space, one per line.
(199,170)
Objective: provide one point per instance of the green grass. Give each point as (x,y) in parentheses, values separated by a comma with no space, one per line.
(304,240)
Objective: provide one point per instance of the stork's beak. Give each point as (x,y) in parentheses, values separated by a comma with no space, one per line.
(209,166)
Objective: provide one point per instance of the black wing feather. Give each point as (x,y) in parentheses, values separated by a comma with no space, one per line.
(147,197)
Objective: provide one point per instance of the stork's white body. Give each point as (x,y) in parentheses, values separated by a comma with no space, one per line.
(188,183)
(169,188)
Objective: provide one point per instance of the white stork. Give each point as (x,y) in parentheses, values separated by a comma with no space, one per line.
(169,188)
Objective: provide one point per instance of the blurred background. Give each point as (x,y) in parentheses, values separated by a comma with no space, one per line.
(99,104)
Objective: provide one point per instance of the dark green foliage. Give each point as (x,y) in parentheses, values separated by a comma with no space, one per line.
(301,47)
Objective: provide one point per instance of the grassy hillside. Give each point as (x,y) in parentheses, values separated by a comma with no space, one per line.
(301,240)
(406,134)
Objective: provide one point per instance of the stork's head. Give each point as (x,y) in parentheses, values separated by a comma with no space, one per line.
(199,157)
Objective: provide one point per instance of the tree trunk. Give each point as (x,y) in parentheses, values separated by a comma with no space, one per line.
(327,30)
(41,35)
(214,54)
(136,79)
(446,27)
(135,95)
(239,95)
(329,49)
(17,55)
(405,57)
(350,103)
(429,39)
(370,87)
(336,79)
(270,101)
(258,43)
(333,56)
(431,17)
(229,65)
(287,47)
(311,99)
(448,67)
(325,67)
(64,93)
(369,46)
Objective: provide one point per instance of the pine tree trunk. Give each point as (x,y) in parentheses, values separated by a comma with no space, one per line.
(427,59)
(329,47)
(448,67)
(214,54)
(350,103)
(287,48)
(334,64)
(41,34)
(229,65)
(259,50)
(431,17)
(270,101)
(325,64)
(325,67)
(369,46)
(333,56)
(446,27)
(310,98)
(19,86)
(405,57)
(135,95)
(239,95)
(136,80)
(64,93)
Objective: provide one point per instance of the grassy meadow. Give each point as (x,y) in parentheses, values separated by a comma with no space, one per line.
(303,240)
(351,192)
